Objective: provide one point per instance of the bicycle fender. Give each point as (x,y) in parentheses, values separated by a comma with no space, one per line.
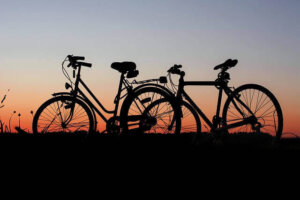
(153,85)
(61,94)
(158,86)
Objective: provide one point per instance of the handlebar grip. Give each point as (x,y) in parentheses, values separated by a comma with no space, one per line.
(85,64)
(78,57)
(75,58)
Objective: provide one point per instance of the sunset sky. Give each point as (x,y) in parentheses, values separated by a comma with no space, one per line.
(35,37)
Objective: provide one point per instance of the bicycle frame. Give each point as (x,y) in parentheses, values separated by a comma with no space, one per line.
(222,86)
(77,90)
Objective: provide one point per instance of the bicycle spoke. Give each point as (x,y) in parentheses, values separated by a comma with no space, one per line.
(54,118)
(261,105)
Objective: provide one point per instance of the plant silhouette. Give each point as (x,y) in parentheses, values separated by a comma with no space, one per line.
(14,112)
(3,127)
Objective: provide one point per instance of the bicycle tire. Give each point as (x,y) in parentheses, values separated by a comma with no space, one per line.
(47,108)
(151,94)
(254,91)
(190,120)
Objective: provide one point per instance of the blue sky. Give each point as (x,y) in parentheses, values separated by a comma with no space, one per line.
(35,36)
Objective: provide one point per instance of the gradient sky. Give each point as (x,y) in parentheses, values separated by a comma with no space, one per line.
(35,36)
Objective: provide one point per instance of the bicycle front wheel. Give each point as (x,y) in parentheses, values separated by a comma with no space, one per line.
(160,117)
(262,104)
(63,114)
(190,121)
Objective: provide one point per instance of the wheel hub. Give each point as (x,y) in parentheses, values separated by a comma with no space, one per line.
(63,125)
(148,123)
(113,126)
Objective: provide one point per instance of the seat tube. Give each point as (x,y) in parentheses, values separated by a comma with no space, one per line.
(180,89)
(219,101)
(117,99)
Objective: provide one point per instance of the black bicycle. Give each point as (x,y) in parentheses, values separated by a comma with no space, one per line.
(74,112)
(248,108)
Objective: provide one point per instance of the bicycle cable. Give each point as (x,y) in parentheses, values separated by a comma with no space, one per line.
(173,85)
(66,73)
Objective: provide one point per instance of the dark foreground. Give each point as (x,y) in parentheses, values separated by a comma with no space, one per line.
(150,143)
(134,154)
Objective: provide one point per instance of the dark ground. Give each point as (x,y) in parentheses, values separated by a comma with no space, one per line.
(235,155)
(150,142)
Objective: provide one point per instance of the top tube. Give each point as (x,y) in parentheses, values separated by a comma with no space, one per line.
(201,83)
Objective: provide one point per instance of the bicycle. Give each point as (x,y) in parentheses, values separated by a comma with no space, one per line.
(74,112)
(248,108)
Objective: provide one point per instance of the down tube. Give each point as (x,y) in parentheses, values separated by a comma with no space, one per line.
(92,105)
(197,108)
(242,103)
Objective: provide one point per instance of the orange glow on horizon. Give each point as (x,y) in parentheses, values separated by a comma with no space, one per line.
(32,102)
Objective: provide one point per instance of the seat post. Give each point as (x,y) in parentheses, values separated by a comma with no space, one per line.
(117,99)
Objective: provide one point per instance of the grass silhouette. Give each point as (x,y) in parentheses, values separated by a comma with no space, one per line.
(146,142)
(3,127)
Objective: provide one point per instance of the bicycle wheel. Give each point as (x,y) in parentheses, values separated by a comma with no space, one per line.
(56,116)
(159,118)
(190,121)
(262,103)
(135,105)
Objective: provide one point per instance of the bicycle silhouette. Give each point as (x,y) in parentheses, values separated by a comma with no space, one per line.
(248,108)
(74,112)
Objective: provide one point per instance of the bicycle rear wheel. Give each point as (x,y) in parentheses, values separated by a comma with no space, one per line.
(133,112)
(56,116)
(262,103)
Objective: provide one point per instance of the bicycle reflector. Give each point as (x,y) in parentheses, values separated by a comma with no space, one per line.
(163,79)
(67,86)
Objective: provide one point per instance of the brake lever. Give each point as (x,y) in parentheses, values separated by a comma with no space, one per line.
(170,70)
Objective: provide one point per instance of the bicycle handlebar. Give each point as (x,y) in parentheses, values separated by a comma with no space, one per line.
(84,64)
(75,58)
(175,67)
(74,61)
(176,70)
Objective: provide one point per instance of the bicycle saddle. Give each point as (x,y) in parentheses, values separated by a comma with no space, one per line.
(227,64)
(123,67)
